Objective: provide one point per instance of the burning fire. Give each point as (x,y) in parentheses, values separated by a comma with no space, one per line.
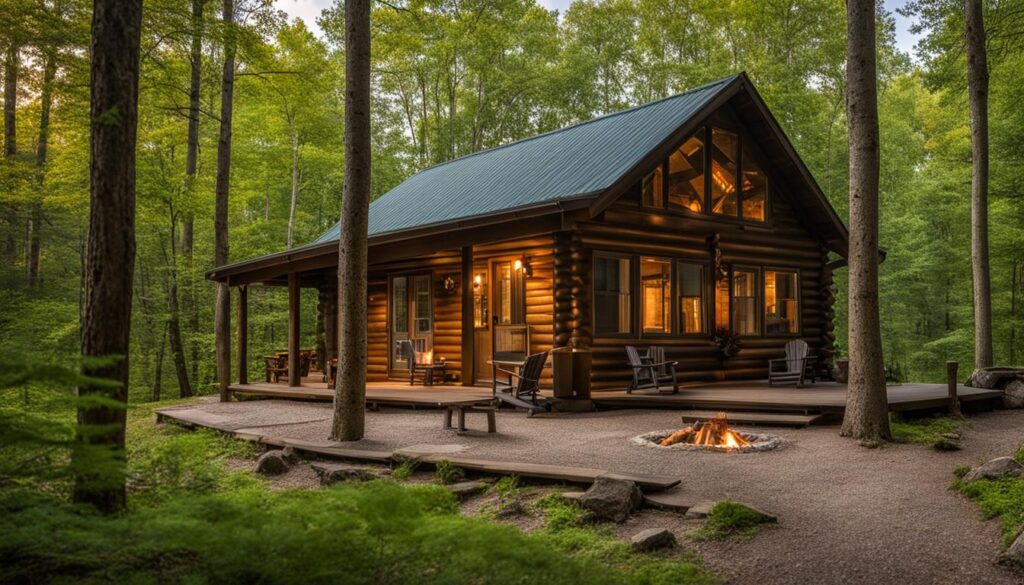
(713,433)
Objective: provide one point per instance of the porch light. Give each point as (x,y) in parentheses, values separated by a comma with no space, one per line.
(478,281)
(518,265)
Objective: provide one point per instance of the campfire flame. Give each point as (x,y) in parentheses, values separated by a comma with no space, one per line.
(713,433)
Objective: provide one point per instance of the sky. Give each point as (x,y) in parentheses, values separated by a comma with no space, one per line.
(308,10)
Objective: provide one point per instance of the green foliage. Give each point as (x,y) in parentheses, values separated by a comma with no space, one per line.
(728,519)
(1003,498)
(447,473)
(405,470)
(961,471)
(560,514)
(925,431)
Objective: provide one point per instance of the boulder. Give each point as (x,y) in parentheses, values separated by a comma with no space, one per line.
(272,463)
(1014,556)
(1013,394)
(330,473)
(998,468)
(612,499)
(464,489)
(291,455)
(994,378)
(652,539)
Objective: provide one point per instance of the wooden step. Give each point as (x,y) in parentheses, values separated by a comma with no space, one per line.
(764,418)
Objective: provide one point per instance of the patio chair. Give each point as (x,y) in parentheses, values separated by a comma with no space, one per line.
(275,366)
(796,367)
(425,372)
(647,373)
(523,387)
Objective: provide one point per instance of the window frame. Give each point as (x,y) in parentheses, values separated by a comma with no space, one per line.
(744,144)
(758,297)
(707,292)
(638,260)
(633,277)
(799,302)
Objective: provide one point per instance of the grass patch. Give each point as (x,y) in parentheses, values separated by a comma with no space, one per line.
(728,519)
(447,474)
(1003,499)
(925,431)
(560,514)
(405,470)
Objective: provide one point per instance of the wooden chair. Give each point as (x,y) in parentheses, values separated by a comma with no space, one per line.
(275,366)
(426,372)
(796,367)
(647,373)
(523,387)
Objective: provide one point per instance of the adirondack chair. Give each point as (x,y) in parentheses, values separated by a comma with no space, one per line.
(796,367)
(523,387)
(647,373)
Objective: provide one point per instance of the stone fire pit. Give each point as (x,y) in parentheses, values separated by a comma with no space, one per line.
(758,442)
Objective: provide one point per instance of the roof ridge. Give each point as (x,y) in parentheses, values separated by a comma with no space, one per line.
(724,80)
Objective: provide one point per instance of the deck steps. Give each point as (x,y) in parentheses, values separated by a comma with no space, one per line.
(763,418)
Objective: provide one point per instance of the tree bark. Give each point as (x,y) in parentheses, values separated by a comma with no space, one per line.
(35,218)
(11,66)
(867,408)
(110,260)
(191,169)
(350,391)
(977,89)
(222,317)
(174,315)
(158,371)
(295,188)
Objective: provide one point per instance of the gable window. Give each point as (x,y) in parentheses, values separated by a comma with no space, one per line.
(725,155)
(612,296)
(755,190)
(690,284)
(781,304)
(653,190)
(686,175)
(656,286)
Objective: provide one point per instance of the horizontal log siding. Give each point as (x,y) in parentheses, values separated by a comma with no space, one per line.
(782,243)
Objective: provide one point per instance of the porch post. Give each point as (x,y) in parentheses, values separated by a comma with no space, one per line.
(468,355)
(243,334)
(294,375)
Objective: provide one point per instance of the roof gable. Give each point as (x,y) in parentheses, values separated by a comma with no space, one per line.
(572,162)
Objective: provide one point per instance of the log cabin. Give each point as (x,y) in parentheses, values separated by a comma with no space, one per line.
(689,223)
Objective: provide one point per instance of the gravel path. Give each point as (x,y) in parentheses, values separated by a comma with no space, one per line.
(847,514)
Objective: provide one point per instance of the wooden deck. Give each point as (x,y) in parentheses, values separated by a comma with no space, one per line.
(827,397)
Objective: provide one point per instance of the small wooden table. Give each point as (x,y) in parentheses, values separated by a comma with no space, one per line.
(469,406)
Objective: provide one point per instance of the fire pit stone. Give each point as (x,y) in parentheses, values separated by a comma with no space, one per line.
(712,435)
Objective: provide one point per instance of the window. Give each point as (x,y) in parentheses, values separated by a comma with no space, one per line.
(509,294)
(755,190)
(421,302)
(722,303)
(744,302)
(653,190)
(611,294)
(399,305)
(781,306)
(480,300)
(690,287)
(724,163)
(686,175)
(656,287)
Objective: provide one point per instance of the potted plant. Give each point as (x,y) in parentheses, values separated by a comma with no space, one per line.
(728,343)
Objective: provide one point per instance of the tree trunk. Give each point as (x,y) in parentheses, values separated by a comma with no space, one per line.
(11,65)
(35,218)
(222,317)
(295,188)
(350,391)
(174,315)
(867,408)
(158,371)
(191,164)
(110,260)
(977,90)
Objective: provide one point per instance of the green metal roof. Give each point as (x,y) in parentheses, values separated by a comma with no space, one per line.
(575,161)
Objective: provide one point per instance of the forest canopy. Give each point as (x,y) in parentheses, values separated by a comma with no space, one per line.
(451,78)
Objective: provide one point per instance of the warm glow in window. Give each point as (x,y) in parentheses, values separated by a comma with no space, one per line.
(691,297)
(724,162)
(744,302)
(755,190)
(686,175)
(656,281)
(480,300)
(781,306)
(653,191)
(722,304)
(612,294)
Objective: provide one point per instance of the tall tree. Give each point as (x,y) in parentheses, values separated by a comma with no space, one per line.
(867,408)
(35,219)
(977,89)
(12,63)
(191,168)
(110,256)
(350,391)
(222,313)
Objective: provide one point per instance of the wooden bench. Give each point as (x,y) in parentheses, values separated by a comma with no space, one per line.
(463,408)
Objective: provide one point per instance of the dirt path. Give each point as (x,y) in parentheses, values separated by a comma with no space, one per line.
(847,514)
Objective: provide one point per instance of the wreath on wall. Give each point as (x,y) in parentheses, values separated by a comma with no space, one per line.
(450,285)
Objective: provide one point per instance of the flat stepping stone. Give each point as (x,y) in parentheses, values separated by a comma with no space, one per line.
(464,489)
(701,509)
(675,500)
(652,539)
(571,496)
(779,419)
(340,472)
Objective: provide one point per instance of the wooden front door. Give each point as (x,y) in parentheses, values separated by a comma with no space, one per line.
(510,338)
(410,317)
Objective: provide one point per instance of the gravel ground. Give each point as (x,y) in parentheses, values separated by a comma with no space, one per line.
(846,514)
